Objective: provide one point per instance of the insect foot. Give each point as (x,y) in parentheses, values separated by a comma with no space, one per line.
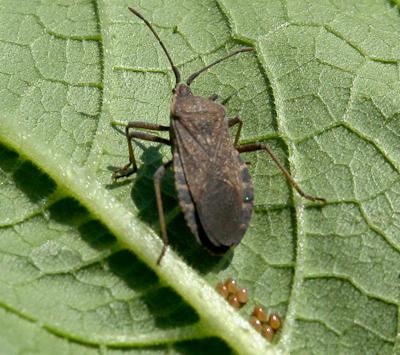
(125,171)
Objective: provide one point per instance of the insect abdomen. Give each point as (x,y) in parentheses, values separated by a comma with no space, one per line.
(185,199)
(225,209)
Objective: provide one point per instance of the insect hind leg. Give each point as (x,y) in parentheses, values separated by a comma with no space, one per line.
(131,167)
(261,146)
(158,176)
(236,121)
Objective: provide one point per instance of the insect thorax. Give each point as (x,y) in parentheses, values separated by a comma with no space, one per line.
(196,105)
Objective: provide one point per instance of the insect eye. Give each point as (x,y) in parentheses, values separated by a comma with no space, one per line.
(247,198)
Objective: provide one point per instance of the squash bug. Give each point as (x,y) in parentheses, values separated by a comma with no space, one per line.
(213,183)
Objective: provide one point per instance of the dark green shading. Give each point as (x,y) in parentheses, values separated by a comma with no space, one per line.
(206,346)
(28,178)
(9,160)
(69,211)
(166,306)
(131,270)
(96,235)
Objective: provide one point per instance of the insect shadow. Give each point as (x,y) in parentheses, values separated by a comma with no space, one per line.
(23,173)
(166,307)
(182,240)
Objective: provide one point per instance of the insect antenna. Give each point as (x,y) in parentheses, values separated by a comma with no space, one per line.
(174,68)
(196,74)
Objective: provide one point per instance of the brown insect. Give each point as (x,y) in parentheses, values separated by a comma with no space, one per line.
(213,183)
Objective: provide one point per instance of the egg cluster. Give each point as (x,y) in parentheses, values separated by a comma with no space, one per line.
(266,324)
(235,295)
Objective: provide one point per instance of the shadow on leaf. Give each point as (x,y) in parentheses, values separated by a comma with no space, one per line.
(166,308)
(35,184)
(180,237)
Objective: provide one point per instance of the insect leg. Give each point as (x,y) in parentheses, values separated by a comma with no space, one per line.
(146,125)
(233,121)
(260,146)
(130,168)
(159,174)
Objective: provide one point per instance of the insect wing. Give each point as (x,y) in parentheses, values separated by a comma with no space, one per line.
(214,174)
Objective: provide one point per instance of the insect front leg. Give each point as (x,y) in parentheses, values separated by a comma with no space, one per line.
(131,167)
(261,146)
(236,121)
(158,176)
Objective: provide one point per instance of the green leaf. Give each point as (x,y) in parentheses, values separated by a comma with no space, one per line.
(78,252)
